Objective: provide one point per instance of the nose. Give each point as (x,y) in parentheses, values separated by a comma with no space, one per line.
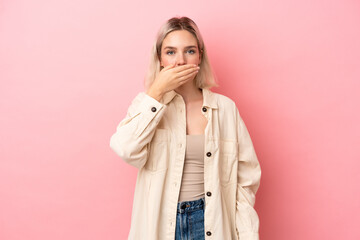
(180,59)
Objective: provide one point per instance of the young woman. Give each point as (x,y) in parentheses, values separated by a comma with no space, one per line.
(198,170)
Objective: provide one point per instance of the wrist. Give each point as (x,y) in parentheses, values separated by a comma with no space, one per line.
(155,93)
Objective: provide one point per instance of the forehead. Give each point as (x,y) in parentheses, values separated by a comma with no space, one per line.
(179,38)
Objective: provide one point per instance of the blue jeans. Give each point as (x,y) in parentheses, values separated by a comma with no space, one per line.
(190,220)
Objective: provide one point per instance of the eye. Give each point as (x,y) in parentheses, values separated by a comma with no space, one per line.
(169,52)
(191,51)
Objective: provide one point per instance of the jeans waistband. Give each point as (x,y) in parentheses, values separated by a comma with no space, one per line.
(188,206)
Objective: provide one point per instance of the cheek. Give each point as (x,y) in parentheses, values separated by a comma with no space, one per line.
(193,59)
(166,60)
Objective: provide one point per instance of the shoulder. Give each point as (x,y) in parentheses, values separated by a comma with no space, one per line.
(224,101)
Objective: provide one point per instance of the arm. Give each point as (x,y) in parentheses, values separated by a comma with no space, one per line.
(135,131)
(248,182)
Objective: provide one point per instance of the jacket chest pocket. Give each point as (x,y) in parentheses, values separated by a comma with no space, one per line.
(227,161)
(158,152)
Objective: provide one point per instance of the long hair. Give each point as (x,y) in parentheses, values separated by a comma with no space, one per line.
(205,78)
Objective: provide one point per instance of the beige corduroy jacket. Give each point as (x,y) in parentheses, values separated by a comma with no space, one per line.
(152,138)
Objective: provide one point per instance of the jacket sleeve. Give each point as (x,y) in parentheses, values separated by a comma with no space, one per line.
(134,132)
(248,182)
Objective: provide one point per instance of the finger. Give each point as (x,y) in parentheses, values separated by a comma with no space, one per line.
(186,72)
(187,77)
(169,66)
(184,67)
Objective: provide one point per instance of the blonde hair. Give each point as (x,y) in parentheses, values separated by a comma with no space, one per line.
(205,78)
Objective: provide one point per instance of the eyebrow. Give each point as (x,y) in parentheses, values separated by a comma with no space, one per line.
(175,47)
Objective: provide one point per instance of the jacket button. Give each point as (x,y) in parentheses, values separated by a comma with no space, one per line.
(153,109)
(204,109)
(208,233)
(208,154)
(208,194)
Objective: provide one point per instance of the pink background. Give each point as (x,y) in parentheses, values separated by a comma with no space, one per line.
(69,69)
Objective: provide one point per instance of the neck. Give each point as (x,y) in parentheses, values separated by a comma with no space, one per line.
(189,91)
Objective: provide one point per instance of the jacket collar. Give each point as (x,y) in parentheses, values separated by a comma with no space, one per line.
(209,99)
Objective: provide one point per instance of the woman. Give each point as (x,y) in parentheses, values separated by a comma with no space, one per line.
(198,170)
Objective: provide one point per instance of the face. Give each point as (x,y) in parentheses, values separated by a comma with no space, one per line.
(179,47)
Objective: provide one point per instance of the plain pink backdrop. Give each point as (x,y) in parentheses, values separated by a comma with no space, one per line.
(69,69)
